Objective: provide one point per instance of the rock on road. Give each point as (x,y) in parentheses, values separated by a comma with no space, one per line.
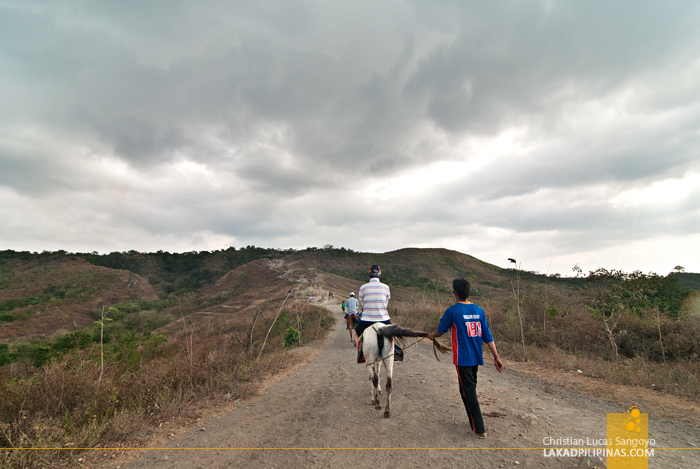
(320,416)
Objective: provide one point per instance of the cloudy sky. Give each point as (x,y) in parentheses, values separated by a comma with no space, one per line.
(555,132)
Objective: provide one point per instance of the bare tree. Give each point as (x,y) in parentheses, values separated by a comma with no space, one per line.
(661,341)
(546,300)
(189,344)
(611,295)
(286,296)
(516,297)
(101,322)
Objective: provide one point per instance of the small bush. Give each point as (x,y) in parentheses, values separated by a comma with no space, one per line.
(4,355)
(291,337)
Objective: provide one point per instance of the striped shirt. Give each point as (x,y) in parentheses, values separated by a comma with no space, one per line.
(375,298)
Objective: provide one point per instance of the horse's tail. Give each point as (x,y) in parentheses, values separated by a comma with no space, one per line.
(393,331)
(400,333)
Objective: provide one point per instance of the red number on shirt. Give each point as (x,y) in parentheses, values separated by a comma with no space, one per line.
(473,329)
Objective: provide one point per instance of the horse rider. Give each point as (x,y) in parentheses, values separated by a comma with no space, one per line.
(374,299)
(351,306)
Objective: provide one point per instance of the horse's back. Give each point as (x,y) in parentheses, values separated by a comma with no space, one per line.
(370,343)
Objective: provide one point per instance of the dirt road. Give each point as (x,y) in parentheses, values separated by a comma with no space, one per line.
(320,416)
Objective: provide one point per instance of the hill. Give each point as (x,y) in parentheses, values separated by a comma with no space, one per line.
(189,329)
(41,295)
(687,279)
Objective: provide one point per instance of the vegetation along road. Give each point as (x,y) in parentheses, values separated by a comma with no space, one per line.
(319,415)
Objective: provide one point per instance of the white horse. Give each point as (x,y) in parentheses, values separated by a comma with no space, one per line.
(371,337)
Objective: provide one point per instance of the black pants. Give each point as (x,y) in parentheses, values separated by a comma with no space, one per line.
(467,389)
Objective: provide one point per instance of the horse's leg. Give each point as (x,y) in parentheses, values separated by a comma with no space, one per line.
(374,383)
(371,353)
(377,386)
(389,363)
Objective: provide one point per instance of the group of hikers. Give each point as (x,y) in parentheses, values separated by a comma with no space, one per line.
(465,321)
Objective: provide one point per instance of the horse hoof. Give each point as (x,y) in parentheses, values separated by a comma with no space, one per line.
(378,407)
(387,414)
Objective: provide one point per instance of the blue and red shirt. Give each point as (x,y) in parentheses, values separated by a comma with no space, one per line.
(467,325)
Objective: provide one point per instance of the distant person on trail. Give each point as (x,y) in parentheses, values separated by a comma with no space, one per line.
(374,299)
(351,306)
(468,327)
(345,315)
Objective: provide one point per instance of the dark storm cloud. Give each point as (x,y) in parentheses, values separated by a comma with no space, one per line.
(508,63)
(294,121)
(242,81)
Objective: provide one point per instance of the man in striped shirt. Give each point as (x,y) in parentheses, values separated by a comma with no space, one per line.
(374,298)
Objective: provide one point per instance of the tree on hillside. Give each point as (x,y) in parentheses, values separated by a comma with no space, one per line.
(516,297)
(612,294)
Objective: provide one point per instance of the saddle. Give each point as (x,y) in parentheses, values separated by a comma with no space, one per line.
(398,352)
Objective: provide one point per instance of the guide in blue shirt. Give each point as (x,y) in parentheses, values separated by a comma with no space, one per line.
(468,328)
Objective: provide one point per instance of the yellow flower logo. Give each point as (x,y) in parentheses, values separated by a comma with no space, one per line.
(632,422)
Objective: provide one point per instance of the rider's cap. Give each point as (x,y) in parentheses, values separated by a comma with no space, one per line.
(352,293)
(375,271)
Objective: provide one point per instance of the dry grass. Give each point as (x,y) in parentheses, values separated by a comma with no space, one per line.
(680,378)
(576,341)
(62,405)
(418,315)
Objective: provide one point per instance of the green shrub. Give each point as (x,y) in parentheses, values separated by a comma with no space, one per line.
(283,321)
(291,337)
(9,305)
(32,353)
(4,354)
(75,340)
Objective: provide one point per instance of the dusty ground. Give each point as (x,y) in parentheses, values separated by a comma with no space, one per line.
(319,415)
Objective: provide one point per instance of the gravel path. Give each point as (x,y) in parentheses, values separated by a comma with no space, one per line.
(320,416)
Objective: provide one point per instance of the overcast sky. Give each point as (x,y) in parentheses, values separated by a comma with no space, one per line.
(554,132)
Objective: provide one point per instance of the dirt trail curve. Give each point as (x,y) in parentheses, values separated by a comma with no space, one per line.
(326,404)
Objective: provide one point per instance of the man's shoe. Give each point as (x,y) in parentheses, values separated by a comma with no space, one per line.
(481,436)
